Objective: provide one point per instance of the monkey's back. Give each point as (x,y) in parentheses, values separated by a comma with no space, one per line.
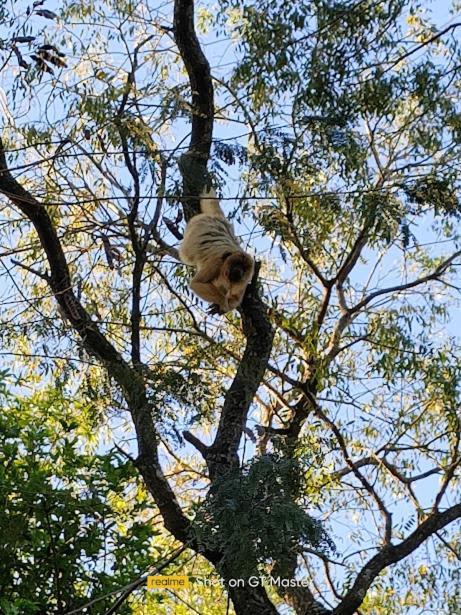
(206,237)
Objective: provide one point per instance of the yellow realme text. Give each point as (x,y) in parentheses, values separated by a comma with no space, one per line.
(167,581)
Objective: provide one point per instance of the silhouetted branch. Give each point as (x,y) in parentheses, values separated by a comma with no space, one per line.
(96,344)
(391,554)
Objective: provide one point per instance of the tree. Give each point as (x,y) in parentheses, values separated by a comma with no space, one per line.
(343,351)
(69,518)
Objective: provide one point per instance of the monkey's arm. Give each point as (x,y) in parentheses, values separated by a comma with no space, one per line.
(213,293)
(209,271)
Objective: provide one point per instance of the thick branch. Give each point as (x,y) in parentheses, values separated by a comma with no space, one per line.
(300,597)
(194,162)
(222,454)
(391,554)
(257,329)
(198,444)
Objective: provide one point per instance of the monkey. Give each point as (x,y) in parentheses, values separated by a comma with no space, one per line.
(223,269)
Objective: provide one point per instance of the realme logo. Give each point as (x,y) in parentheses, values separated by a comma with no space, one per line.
(167,582)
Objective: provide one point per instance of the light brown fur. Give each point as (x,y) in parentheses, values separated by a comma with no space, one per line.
(224,270)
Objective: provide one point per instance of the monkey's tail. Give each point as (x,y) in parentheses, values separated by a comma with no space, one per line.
(209,203)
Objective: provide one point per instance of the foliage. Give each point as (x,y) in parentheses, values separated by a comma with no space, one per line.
(74,523)
(250,515)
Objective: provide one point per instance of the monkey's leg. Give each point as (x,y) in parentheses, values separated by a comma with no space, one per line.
(210,293)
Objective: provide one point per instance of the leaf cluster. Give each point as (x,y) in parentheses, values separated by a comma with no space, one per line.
(252,516)
(437,192)
(70,527)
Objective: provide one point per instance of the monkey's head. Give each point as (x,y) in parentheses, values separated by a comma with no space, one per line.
(238,266)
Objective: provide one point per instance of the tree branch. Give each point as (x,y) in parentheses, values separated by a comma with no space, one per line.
(198,444)
(193,163)
(391,554)
(435,275)
(381,461)
(222,454)
(349,314)
(354,254)
(428,41)
(129,380)
(354,469)
(40,274)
